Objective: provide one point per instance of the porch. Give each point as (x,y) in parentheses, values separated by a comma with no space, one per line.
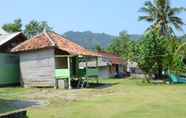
(68,71)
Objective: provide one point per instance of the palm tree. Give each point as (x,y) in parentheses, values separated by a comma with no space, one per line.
(162,16)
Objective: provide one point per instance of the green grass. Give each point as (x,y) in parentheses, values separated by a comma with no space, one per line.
(124,99)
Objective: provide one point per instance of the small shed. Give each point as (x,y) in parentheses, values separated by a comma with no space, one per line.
(48,59)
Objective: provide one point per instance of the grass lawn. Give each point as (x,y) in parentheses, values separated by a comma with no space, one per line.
(124,99)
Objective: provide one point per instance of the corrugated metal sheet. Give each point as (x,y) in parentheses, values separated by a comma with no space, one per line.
(7,37)
(2,31)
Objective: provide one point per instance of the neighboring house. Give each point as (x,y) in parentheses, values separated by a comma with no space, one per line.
(9,69)
(46,57)
(132,67)
(10,40)
(115,65)
(108,64)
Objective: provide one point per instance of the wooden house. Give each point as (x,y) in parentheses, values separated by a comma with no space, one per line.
(115,65)
(108,64)
(49,59)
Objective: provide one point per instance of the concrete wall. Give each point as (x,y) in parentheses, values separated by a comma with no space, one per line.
(38,68)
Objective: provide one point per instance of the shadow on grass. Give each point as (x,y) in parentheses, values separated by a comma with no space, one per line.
(101,85)
(14,105)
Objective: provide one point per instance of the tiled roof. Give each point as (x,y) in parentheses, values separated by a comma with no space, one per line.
(52,39)
(115,59)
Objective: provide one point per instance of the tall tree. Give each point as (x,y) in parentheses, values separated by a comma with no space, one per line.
(154,54)
(120,45)
(36,27)
(162,15)
(16,26)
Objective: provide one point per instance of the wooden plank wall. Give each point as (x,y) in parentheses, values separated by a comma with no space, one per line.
(38,68)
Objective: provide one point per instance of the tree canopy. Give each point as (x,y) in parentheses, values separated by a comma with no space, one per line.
(157,49)
(34,27)
(162,15)
(154,54)
(16,26)
(120,45)
(124,46)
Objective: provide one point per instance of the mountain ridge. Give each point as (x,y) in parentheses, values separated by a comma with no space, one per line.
(90,40)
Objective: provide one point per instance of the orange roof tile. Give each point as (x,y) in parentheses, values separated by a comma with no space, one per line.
(52,39)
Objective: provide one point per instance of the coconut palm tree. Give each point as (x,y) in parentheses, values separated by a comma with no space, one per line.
(162,15)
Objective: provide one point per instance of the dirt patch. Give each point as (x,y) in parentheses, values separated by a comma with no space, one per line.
(18,104)
(68,95)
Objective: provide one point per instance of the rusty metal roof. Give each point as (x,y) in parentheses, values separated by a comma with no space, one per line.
(52,39)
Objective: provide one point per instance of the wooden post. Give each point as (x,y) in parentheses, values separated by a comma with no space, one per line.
(56,83)
(69,79)
(97,69)
(86,63)
(86,68)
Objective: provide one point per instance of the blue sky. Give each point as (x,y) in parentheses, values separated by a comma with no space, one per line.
(109,16)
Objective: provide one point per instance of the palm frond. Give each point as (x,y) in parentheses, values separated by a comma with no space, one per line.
(146,18)
(162,15)
(176,20)
(177,10)
(177,26)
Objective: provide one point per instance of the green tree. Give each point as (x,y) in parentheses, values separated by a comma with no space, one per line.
(98,48)
(35,27)
(16,26)
(133,50)
(120,45)
(154,54)
(179,58)
(162,15)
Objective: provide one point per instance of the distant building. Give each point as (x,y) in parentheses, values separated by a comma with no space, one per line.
(132,67)
(108,64)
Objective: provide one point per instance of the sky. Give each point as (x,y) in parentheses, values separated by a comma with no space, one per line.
(108,16)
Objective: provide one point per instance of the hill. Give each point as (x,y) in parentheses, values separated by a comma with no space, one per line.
(89,39)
